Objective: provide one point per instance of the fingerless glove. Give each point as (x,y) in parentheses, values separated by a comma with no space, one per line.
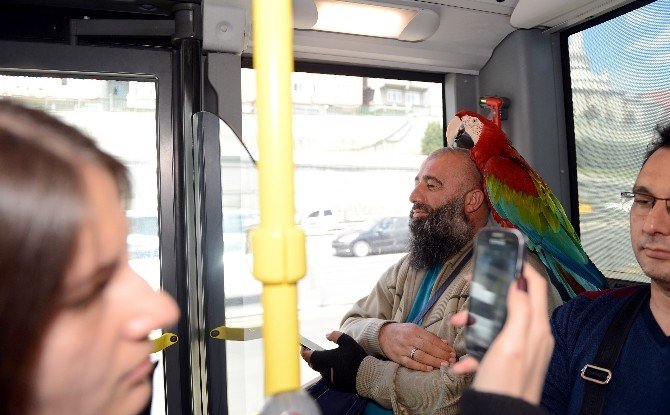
(339,367)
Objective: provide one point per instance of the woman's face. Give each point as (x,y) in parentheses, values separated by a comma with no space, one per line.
(95,354)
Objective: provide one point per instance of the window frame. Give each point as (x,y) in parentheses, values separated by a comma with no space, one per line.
(569,109)
(567,101)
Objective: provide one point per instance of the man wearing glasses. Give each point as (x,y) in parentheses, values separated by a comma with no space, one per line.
(629,372)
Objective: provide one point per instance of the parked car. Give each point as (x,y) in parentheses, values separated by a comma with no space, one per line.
(382,236)
(236,226)
(142,234)
(320,221)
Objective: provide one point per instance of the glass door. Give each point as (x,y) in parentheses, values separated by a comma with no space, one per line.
(226,183)
(122,99)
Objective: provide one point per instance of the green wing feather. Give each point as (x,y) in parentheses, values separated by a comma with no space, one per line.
(518,195)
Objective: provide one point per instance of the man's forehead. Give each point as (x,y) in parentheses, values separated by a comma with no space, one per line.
(439,164)
(655,174)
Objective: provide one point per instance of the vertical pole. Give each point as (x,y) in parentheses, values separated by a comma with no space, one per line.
(278,244)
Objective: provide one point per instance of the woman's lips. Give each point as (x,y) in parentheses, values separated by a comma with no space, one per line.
(140,372)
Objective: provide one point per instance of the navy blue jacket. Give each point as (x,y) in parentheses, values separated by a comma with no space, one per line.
(481,403)
(641,378)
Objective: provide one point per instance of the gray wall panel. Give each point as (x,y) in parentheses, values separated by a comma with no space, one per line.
(526,68)
(460,93)
(224,75)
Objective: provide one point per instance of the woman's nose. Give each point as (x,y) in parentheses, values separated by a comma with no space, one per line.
(155,310)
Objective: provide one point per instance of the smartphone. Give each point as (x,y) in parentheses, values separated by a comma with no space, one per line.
(307,343)
(498,261)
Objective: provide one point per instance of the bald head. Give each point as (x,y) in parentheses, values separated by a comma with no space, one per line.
(467,174)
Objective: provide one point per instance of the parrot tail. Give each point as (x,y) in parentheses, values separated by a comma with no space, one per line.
(572,281)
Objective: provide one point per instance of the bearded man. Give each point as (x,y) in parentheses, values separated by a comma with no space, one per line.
(402,344)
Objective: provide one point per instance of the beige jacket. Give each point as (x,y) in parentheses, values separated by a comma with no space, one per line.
(390,384)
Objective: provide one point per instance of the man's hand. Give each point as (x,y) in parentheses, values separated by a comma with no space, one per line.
(414,347)
(338,367)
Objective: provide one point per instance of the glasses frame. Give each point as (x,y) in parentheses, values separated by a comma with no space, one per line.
(630,197)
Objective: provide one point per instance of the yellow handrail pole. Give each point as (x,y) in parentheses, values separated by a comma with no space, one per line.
(278,244)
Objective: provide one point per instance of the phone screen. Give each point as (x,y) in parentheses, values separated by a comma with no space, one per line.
(305,342)
(499,255)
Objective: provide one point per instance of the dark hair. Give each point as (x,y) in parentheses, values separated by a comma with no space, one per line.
(42,203)
(662,140)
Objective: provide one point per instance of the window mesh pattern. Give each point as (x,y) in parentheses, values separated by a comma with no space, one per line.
(620,79)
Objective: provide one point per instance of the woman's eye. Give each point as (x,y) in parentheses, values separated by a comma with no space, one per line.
(98,282)
(82,302)
(90,297)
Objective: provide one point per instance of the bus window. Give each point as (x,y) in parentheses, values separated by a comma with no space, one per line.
(121,117)
(358,143)
(620,78)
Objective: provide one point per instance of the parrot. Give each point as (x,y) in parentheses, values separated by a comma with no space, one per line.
(517,197)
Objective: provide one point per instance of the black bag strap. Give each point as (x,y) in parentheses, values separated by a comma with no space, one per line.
(598,374)
(443,287)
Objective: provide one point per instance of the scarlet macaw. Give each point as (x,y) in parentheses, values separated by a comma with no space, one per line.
(518,198)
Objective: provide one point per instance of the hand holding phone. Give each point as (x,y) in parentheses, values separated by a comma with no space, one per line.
(516,363)
(308,344)
(498,261)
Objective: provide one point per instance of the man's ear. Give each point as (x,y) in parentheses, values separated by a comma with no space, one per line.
(473,200)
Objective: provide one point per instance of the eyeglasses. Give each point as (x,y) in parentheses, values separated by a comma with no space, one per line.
(641,203)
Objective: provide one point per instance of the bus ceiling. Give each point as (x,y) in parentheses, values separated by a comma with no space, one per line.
(442,36)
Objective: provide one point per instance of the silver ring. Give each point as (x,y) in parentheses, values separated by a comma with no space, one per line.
(412,353)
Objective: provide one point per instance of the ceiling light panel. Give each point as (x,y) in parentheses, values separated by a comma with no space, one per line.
(367,19)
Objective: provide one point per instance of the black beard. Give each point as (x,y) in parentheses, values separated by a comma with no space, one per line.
(441,234)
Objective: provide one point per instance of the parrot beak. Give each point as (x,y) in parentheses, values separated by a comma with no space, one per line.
(457,136)
(463,140)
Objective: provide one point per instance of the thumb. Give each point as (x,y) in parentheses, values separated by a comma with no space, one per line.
(334,336)
(459,319)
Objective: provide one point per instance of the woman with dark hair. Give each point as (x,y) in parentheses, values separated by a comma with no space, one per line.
(74,316)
